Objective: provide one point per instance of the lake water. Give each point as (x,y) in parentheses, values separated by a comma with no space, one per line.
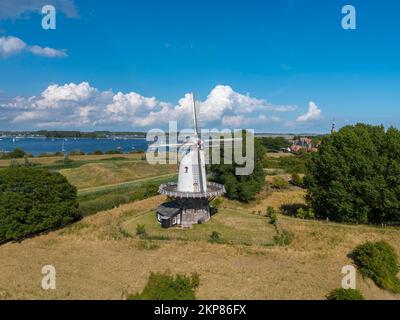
(37,145)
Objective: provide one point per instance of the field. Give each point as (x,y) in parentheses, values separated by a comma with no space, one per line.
(235,227)
(101,257)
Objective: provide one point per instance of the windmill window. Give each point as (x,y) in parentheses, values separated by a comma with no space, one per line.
(186,169)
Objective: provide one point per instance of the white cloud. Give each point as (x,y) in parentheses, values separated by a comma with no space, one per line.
(11,9)
(313,113)
(47,52)
(81,105)
(10,45)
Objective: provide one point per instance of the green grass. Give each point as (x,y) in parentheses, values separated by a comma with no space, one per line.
(104,173)
(234,227)
(112,196)
(294,164)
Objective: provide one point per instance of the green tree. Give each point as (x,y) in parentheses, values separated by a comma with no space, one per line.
(34,200)
(355,176)
(241,187)
(274,144)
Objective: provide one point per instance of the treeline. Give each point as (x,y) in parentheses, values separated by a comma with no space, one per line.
(19,153)
(274,144)
(73,134)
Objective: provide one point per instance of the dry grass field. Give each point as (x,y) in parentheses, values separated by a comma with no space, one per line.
(96,258)
(87,157)
(114,172)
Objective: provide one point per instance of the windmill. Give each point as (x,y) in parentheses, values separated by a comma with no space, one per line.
(190,196)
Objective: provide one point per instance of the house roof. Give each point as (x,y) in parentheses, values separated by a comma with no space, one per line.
(169,209)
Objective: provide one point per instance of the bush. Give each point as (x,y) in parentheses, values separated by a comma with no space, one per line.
(279,183)
(296,180)
(378,261)
(355,176)
(98,152)
(304,213)
(295,164)
(284,238)
(216,203)
(113,152)
(215,237)
(76,153)
(34,200)
(163,286)
(141,230)
(345,294)
(271,214)
(15,154)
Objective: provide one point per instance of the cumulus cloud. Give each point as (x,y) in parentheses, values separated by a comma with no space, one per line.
(47,52)
(10,45)
(81,105)
(11,9)
(313,113)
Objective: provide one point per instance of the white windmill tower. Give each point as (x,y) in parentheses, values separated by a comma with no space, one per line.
(191,195)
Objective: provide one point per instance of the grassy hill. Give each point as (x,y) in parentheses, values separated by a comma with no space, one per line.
(96,258)
(101,257)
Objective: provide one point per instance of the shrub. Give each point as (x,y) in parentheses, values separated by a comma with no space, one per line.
(98,152)
(284,238)
(271,214)
(163,286)
(279,183)
(355,176)
(378,261)
(296,180)
(15,154)
(113,152)
(141,230)
(345,294)
(76,153)
(34,200)
(302,213)
(215,237)
(216,203)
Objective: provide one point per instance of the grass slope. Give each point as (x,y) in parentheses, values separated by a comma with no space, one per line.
(95,259)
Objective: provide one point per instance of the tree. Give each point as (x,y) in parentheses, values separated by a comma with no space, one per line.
(274,144)
(241,187)
(34,200)
(355,176)
(15,154)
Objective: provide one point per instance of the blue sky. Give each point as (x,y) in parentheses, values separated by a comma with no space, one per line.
(275,66)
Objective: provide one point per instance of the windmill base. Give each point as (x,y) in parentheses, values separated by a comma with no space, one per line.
(195,216)
(183,212)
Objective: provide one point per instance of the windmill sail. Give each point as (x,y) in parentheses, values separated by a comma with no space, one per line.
(198,167)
